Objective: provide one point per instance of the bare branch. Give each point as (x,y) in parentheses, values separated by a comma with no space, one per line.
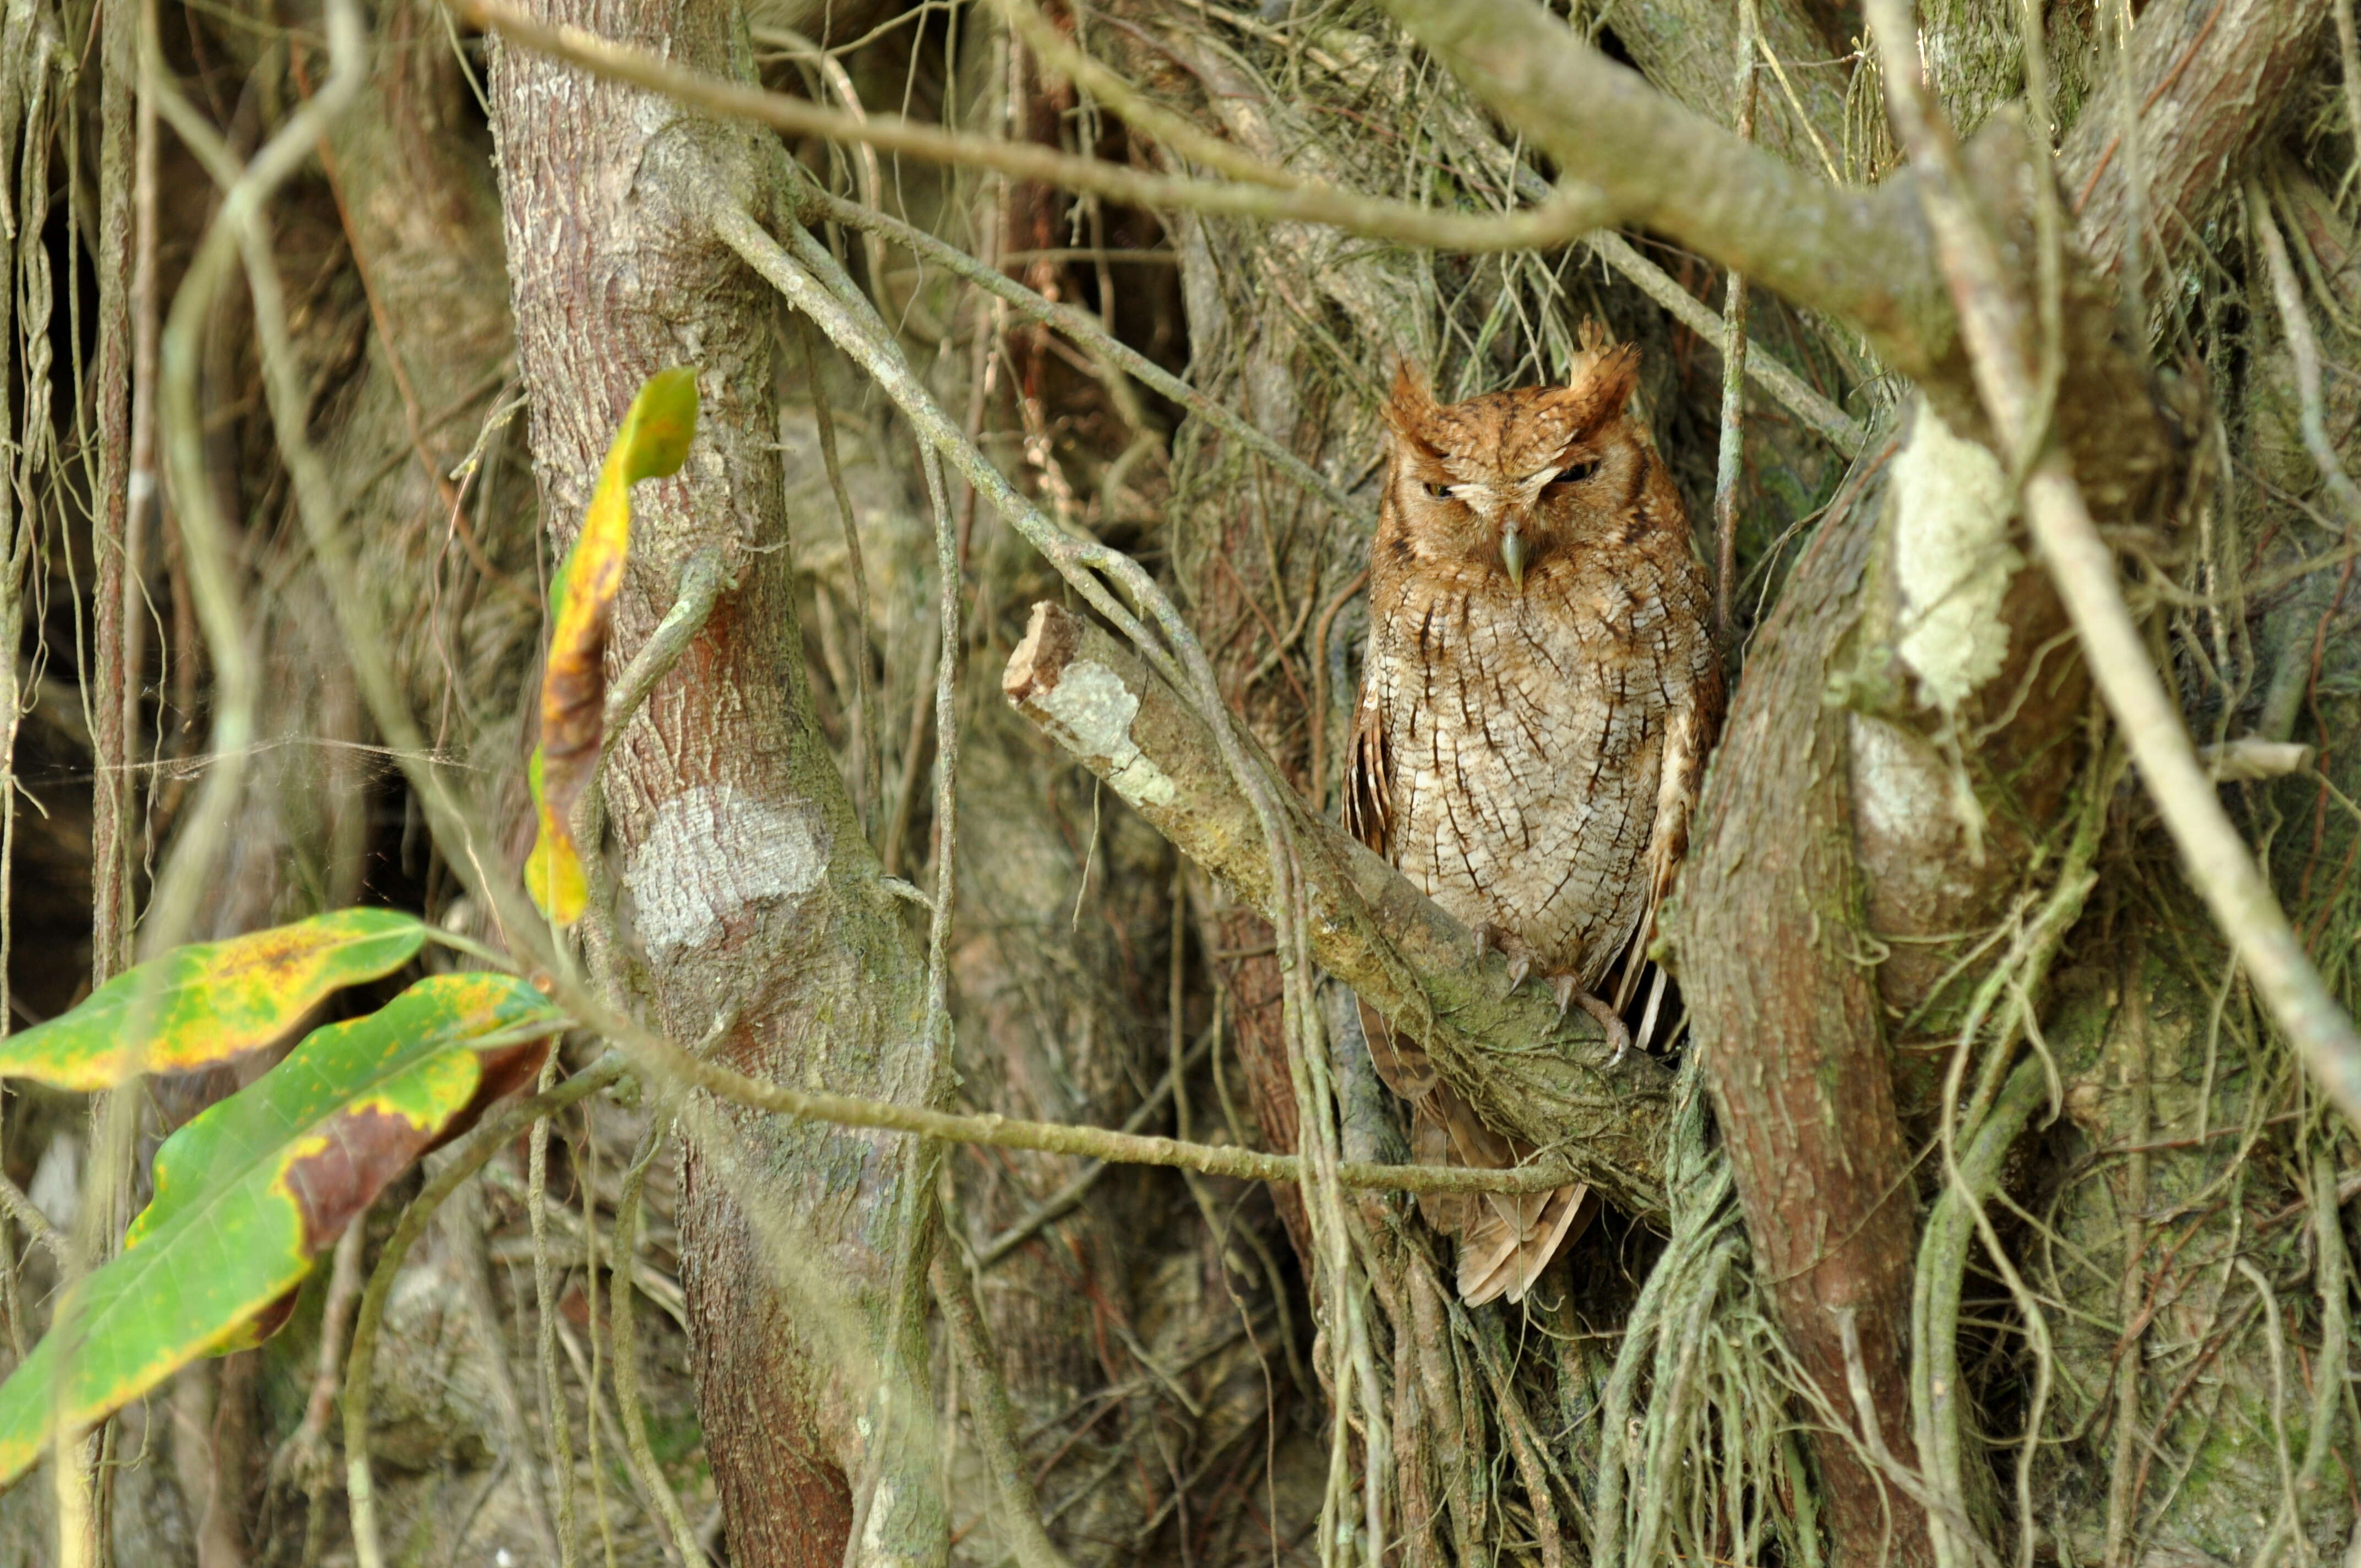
(1861,254)
(2214,78)
(1278,194)
(702,579)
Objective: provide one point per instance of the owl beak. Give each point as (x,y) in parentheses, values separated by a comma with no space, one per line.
(1513,554)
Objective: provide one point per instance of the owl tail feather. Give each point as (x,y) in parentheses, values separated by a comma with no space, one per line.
(1505,1240)
(1496,1260)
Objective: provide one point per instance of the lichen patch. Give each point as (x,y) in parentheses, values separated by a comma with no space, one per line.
(712,852)
(1952,560)
(1091,710)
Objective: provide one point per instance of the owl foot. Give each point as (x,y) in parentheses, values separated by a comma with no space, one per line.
(1512,947)
(1619,1036)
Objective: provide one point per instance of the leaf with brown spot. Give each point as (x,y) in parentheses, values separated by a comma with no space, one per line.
(203,1005)
(652,445)
(250,1192)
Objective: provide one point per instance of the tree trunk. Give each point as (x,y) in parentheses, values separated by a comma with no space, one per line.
(751,891)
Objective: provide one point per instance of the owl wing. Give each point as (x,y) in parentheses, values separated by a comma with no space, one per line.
(1690,730)
(1401,1062)
(1368,773)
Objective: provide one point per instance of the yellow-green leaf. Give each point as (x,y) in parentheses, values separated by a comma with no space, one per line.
(653,442)
(553,871)
(209,1002)
(251,1191)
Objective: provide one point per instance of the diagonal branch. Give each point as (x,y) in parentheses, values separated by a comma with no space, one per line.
(1863,255)
(1531,1073)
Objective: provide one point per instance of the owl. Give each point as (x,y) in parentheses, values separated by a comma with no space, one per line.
(1540,692)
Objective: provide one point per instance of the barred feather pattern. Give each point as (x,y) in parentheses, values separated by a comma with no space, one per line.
(1540,691)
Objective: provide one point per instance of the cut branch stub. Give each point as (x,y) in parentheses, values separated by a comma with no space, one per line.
(1527,1071)
(652,445)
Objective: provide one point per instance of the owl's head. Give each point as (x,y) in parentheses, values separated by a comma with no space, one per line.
(1510,480)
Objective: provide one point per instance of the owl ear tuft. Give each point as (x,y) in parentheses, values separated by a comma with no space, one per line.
(1598,383)
(1411,408)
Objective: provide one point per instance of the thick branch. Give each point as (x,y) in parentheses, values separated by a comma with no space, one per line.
(1861,254)
(2213,78)
(1529,1071)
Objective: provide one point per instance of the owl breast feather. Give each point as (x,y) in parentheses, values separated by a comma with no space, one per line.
(1523,739)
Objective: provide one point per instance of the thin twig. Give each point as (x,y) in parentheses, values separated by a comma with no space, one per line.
(1872,1434)
(1091,335)
(115,604)
(996,1422)
(2349,60)
(463,1233)
(37,1224)
(1570,212)
(2303,349)
(1730,459)
(489,1137)
(1062,1202)
(625,1336)
(869,762)
(556,1419)
(1835,426)
(702,579)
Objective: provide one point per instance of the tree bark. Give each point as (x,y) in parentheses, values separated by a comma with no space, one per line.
(752,894)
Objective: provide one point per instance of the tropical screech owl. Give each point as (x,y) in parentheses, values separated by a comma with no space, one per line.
(1540,692)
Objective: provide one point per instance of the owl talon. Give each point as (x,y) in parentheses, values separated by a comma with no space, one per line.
(1619,1036)
(1564,986)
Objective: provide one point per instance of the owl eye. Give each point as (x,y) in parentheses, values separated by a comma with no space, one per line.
(1572,474)
(1440,492)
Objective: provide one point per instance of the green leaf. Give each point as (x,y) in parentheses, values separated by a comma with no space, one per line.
(209,1002)
(250,1192)
(653,442)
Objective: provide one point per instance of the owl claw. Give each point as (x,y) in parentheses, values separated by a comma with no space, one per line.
(1563,984)
(1518,969)
(1616,1033)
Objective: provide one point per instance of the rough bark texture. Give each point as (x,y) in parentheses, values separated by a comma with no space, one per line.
(749,886)
(2214,79)
(1788,1011)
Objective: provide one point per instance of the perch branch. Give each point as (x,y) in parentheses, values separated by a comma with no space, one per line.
(1505,1046)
